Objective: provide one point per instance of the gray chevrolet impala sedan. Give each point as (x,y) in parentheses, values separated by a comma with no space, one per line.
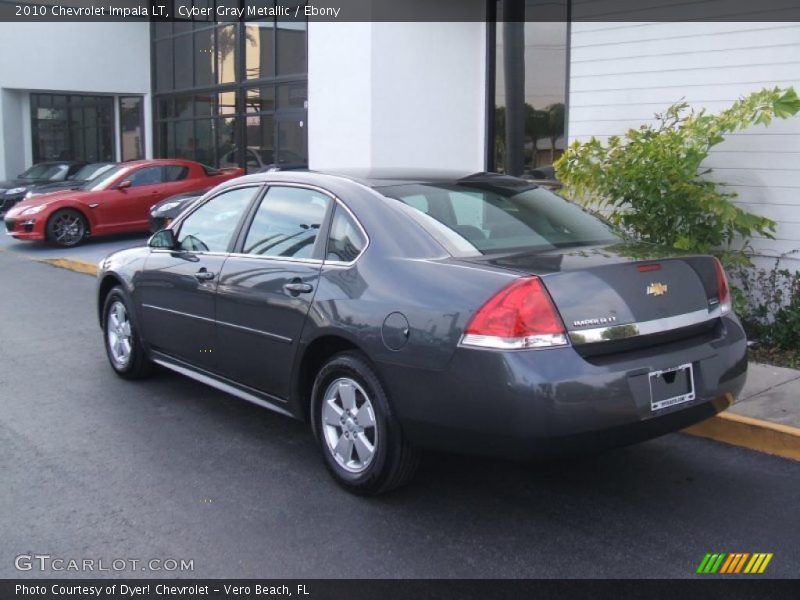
(397,312)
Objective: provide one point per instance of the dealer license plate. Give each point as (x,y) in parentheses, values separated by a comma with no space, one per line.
(669,387)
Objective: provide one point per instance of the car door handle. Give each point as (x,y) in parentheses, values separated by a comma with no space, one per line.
(203,275)
(298,287)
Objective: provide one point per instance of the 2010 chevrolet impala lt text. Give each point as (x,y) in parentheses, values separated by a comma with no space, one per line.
(401,312)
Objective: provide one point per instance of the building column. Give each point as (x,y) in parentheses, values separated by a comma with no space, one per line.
(397,95)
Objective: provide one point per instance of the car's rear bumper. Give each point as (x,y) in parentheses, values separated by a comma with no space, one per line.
(535,403)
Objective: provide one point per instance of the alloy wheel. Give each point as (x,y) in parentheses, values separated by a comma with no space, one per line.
(118,331)
(348,421)
(68,229)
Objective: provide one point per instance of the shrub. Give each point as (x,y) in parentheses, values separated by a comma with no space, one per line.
(652,181)
(769,305)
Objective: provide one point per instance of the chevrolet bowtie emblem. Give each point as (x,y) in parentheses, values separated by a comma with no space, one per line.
(656,289)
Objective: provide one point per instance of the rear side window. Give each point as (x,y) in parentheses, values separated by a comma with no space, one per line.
(495,218)
(212,226)
(346,241)
(175,173)
(147,176)
(287,223)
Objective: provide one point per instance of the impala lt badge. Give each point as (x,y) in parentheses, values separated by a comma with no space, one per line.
(656,289)
(595,321)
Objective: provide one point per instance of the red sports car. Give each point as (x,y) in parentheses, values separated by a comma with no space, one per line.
(118,201)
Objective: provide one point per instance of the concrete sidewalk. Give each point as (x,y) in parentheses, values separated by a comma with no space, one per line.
(766,416)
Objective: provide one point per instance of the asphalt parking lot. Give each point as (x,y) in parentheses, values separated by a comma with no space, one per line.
(91,251)
(96,467)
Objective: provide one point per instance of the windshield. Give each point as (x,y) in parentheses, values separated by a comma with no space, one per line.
(45,171)
(92,171)
(105,178)
(491,218)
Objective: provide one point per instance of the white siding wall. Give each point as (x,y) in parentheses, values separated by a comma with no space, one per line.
(623,73)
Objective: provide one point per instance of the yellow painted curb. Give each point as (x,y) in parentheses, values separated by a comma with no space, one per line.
(755,434)
(73,265)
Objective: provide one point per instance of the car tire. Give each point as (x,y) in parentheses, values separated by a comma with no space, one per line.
(66,228)
(371,423)
(121,338)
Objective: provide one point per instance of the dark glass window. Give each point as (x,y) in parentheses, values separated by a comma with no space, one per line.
(530,87)
(164,65)
(260,50)
(72,127)
(146,176)
(184,139)
(183,61)
(346,241)
(292,95)
(232,109)
(175,173)
(287,223)
(292,141)
(260,142)
(492,219)
(131,127)
(291,47)
(204,141)
(260,99)
(204,58)
(227,53)
(211,227)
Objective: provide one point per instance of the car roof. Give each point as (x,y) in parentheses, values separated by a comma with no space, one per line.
(377,178)
(152,162)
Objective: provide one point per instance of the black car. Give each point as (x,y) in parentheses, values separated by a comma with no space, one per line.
(166,211)
(478,314)
(45,173)
(81,177)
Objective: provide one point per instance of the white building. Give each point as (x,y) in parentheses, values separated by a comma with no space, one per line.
(416,95)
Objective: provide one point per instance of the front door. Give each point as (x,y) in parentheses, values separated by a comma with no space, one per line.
(266,288)
(176,290)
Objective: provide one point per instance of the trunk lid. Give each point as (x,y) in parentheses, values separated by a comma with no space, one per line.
(600,290)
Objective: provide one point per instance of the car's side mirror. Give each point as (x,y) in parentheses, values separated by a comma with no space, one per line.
(124,185)
(164,239)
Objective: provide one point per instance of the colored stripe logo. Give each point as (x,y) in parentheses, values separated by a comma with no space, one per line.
(734,563)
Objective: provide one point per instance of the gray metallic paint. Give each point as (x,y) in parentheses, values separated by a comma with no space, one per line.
(520,403)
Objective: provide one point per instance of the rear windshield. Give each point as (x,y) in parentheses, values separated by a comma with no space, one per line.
(492,219)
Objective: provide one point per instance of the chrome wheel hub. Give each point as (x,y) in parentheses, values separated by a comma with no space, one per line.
(118,330)
(348,423)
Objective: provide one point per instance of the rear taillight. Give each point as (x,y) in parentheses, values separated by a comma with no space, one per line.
(520,315)
(723,290)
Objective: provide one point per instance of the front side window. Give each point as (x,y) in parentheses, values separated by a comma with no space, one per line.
(287,223)
(497,218)
(212,226)
(346,241)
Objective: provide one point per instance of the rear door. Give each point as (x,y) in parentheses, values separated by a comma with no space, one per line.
(176,289)
(267,286)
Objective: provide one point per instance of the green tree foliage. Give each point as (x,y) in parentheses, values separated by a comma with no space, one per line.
(652,181)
